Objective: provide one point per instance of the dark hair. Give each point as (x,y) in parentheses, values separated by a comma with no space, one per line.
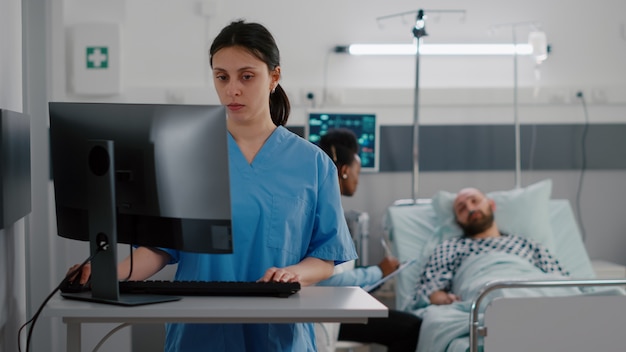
(255,38)
(341,145)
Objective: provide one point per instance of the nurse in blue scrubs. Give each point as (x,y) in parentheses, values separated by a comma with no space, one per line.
(288,224)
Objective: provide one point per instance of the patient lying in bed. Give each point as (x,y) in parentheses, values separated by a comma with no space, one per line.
(460,267)
(474,214)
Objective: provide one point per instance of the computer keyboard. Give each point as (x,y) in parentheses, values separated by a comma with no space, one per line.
(210,288)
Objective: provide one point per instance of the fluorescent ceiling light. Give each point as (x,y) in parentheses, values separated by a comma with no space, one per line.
(436,49)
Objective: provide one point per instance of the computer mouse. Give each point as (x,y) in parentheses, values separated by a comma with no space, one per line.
(74,286)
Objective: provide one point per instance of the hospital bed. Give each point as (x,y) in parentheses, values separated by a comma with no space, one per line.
(595,319)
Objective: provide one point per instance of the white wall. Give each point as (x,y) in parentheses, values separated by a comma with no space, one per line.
(587,40)
(11,56)
(42,255)
(164,46)
(12,238)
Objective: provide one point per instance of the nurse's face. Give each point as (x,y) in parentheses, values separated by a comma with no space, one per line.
(243,83)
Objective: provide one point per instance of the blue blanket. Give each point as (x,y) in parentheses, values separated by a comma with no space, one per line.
(445,328)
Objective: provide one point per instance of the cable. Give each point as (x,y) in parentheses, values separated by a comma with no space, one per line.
(583,165)
(33,320)
(325,80)
(533,148)
(106,337)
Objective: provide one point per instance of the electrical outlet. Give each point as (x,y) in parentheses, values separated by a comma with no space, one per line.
(334,97)
(599,96)
(560,96)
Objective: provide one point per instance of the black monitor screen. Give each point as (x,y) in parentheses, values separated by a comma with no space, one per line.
(364,126)
(15,177)
(171,178)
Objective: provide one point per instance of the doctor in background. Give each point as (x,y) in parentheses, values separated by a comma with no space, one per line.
(399,331)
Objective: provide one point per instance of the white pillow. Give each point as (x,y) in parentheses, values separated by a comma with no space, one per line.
(522,211)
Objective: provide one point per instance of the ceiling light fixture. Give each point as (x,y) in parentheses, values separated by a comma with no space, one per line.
(437,49)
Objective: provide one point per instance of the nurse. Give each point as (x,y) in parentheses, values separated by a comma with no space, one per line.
(288,223)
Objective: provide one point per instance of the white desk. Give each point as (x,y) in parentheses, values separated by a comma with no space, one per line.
(311,304)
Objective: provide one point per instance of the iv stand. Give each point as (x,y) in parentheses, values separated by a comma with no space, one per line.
(518,157)
(419,31)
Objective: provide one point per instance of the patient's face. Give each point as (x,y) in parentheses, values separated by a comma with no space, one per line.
(473,211)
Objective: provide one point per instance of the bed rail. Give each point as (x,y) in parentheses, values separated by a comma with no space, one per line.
(477,330)
(403,202)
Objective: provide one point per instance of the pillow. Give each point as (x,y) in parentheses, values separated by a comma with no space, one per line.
(521,211)
(411,229)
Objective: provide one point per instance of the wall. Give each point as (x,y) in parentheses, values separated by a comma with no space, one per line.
(42,254)
(12,237)
(307,33)
(164,46)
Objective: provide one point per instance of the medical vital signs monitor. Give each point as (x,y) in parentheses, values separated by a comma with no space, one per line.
(364,126)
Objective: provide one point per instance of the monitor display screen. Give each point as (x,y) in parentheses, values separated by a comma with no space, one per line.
(145,174)
(15,172)
(364,126)
(171,178)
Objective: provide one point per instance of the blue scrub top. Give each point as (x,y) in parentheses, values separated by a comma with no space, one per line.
(286,206)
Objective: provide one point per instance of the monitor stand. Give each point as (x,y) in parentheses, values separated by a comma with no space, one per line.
(103,233)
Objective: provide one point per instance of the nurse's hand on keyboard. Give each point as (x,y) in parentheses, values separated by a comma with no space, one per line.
(307,272)
(280,275)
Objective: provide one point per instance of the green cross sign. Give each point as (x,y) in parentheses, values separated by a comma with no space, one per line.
(97,57)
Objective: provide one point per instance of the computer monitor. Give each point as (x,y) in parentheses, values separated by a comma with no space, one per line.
(364,126)
(145,174)
(15,173)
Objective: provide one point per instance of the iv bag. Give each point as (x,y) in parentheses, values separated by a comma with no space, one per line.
(539,44)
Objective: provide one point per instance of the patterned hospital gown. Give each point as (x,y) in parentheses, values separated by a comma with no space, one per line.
(449,255)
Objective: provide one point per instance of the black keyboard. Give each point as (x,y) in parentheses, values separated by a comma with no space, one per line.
(210,288)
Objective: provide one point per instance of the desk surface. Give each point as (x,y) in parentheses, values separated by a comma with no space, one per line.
(311,304)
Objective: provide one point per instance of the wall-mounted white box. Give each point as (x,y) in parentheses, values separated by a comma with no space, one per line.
(96,59)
